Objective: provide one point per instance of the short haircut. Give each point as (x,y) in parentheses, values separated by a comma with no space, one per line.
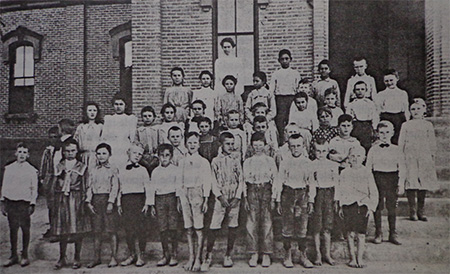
(259,119)
(168,105)
(53,130)
(258,136)
(136,144)
(70,141)
(391,72)
(357,149)
(229,77)
(148,109)
(173,128)
(324,109)
(305,81)
(301,94)
(283,52)
(199,102)
(296,137)
(227,40)
(324,62)
(261,75)
(359,83)
(345,118)
(22,145)
(204,119)
(104,145)
(162,147)
(233,111)
(359,59)
(225,135)
(322,142)
(386,124)
(207,72)
(420,101)
(180,69)
(67,126)
(291,125)
(192,133)
(259,105)
(329,91)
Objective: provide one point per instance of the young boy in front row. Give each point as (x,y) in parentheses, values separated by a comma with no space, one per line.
(357,195)
(386,161)
(194,192)
(134,203)
(101,194)
(325,174)
(166,181)
(19,194)
(293,201)
(259,173)
(227,187)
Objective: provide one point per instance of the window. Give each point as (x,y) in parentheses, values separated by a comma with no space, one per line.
(21,95)
(236,19)
(21,51)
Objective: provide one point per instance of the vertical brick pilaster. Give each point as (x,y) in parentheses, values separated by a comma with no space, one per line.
(320,30)
(437,32)
(146,37)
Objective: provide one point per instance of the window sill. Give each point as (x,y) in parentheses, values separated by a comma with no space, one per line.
(19,118)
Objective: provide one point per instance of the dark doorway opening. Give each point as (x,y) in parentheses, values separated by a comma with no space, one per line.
(389,34)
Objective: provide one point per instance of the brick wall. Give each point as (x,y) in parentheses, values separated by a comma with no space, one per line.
(437,31)
(286,24)
(59,84)
(103,71)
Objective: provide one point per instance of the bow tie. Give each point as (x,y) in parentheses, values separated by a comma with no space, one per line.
(131,166)
(384,145)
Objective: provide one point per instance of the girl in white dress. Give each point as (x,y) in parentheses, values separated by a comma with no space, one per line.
(418,142)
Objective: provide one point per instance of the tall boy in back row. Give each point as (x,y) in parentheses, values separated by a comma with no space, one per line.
(19,194)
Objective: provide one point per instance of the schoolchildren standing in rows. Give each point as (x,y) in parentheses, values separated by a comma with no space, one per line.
(387,163)
(258,195)
(206,93)
(178,95)
(300,115)
(284,84)
(88,133)
(148,136)
(293,200)
(164,203)
(325,178)
(101,195)
(392,103)
(227,187)
(18,200)
(227,101)
(133,203)
(357,195)
(69,219)
(418,144)
(194,192)
(365,116)
(168,112)
(360,66)
(119,130)
(260,94)
(325,82)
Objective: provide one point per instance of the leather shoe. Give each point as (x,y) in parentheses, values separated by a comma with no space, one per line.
(11,261)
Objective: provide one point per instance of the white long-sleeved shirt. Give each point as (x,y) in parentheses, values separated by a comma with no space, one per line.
(393,100)
(20,182)
(165,180)
(196,172)
(132,181)
(386,159)
(260,169)
(103,179)
(284,81)
(371,88)
(364,110)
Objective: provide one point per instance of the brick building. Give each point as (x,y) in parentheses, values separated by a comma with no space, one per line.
(58,54)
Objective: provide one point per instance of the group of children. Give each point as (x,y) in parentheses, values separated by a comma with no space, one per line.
(288,150)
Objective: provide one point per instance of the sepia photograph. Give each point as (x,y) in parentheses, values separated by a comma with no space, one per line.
(225,136)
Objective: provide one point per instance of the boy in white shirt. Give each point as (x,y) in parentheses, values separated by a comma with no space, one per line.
(19,194)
